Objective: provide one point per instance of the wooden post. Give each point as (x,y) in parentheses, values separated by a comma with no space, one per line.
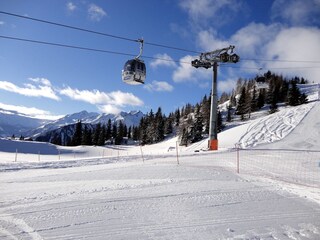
(238,160)
(16,157)
(141,153)
(177,150)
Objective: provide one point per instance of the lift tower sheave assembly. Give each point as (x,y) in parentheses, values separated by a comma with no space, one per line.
(208,60)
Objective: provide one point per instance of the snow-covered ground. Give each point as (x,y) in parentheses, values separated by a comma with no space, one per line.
(132,192)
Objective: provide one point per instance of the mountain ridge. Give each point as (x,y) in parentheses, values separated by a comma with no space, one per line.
(13,123)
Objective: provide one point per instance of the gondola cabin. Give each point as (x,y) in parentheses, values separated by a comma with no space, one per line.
(134,72)
(261,82)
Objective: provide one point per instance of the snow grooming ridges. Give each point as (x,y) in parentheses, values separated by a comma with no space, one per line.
(17,228)
(274,127)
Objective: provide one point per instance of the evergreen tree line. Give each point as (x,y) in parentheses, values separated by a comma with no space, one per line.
(191,122)
(99,135)
(279,90)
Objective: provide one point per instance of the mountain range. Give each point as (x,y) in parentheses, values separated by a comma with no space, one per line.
(14,123)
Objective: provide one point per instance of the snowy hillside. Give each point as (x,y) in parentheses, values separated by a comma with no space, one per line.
(133,192)
(163,191)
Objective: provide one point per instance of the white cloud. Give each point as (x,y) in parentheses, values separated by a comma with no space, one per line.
(42,81)
(200,11)
(123,99)
(268,42)
(227,85)
(104,101)
(71,6)
(93,97)
(249,40)
(186,73)
(209,41)
(29,111)
(96,13)
(158,86)
(294,44)
(30,90)
(162,60)
(296,12)
(108,108)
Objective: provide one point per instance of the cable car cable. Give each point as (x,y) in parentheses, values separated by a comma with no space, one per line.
(65,45)
(135,40)
(86,48)
(68,26)
(126,54)
(96,32)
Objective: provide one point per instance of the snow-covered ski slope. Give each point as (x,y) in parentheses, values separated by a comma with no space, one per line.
(132,192)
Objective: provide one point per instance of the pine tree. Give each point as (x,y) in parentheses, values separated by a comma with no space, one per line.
(184,137)
(102,136)
(198,125)
(158,126)
(220,125)
(254,100)
(303,98)
(229,114)
(243,107)
(224,97)
(233,101)
(273,105)
(150,127)
(168,126)
(77,136)
(129,134)
(294,94)
(177,117)
(96,134)
(205,111)
(109,130)
(270,91)
(86,136)
(120,134)
(261,98)
(125,130)
(114,132)
(135,133)
(56,139)
(143,131)
(283,95)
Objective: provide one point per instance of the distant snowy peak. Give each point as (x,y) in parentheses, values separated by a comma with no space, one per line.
(14,123)
(131,118)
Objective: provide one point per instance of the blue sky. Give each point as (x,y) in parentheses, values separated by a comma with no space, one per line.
(48,81)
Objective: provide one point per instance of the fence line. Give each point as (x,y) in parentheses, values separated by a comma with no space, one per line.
(294,166)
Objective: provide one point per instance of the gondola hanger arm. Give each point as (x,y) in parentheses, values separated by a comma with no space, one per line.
(140,40)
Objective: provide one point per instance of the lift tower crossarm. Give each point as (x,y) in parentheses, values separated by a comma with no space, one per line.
(214,56)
